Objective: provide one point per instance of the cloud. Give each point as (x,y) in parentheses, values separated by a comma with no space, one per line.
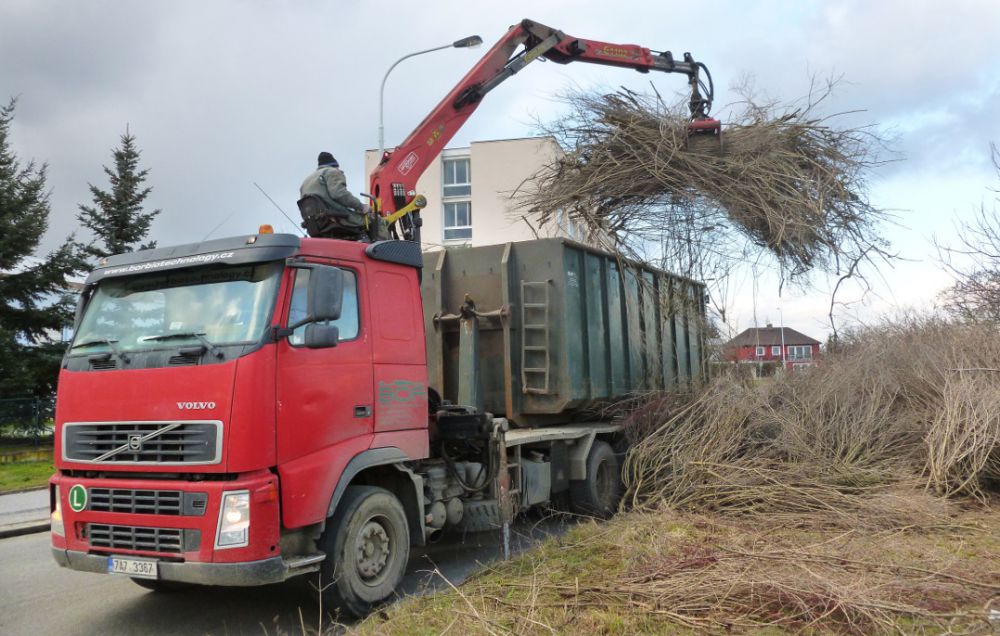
(225,94)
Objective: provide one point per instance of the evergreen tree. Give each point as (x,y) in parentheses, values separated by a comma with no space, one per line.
(117,217)
(34,303)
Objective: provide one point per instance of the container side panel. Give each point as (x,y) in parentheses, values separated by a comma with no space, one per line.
(681,335)
(650,332)
(668,350)
(576,326)
(634,325)
(695,332)
(617,336)
(594,339)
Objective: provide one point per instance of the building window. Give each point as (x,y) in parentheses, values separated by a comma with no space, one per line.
(457,178)
(457,220)
(456,192)
(802,352)
(760,351)
(775,350)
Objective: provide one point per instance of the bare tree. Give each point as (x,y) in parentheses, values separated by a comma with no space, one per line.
(975,262)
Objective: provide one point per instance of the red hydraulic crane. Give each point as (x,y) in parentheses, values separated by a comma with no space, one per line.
(393,183)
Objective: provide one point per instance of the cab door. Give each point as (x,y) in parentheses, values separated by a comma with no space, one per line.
(324,395)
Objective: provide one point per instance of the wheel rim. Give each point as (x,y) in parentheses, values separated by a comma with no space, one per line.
(373,549)
(604,484)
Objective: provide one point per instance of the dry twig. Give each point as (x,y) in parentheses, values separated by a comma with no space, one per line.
(786,179)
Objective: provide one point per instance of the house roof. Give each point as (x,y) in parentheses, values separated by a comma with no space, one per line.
(767,336)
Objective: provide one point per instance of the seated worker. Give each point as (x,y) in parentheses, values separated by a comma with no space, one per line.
(328,208)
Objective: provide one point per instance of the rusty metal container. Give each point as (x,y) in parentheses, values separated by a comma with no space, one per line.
(544,331)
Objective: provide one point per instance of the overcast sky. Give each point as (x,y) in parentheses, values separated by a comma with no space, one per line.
(224,94)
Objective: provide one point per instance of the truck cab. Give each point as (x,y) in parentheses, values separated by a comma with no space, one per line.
(203,413)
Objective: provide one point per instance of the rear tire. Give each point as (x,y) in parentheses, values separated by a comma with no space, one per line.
(367,545)
(167,587)
(599,493)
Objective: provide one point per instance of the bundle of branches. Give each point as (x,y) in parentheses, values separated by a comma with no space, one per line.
(784,179)
(903,407)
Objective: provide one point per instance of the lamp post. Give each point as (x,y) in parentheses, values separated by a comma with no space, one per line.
(464,43)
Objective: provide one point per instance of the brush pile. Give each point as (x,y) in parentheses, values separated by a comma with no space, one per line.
(784,178)
(847,499)
(876,436)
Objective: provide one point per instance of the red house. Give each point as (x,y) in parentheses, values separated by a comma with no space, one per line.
(773,344)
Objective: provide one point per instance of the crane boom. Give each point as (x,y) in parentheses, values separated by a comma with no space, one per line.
(394,180)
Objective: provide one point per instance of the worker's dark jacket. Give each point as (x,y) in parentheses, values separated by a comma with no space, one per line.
(329,210)
(330,185)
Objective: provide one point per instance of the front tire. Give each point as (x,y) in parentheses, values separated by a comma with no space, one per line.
(599,493)
(367,545)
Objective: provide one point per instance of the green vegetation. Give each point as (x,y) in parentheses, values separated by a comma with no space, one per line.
(24,475)
(33,302)
(117,217)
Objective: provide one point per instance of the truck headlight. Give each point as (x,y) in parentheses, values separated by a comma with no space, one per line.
(234,520)
(56,518)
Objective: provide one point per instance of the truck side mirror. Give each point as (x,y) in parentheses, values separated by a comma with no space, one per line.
(326,294)
(321,336)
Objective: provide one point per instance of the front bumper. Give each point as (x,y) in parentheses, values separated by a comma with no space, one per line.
(182,540)
(248,574)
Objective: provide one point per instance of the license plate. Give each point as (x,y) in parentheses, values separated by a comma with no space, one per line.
(133,567)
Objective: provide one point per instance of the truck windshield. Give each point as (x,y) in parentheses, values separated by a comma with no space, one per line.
(215,305)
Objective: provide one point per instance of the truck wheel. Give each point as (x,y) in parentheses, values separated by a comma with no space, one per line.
(157,585)
(599,493)
(367,545)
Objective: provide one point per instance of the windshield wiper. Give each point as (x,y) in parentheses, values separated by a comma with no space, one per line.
(112,343)
(200,335)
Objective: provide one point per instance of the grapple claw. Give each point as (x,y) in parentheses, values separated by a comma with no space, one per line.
(705,133)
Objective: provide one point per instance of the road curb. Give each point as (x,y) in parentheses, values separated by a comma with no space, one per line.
(23,490)
(30,527)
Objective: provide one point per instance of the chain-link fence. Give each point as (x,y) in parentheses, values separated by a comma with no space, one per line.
(24,419)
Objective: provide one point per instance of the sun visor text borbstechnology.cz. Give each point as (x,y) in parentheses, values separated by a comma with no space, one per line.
(255,248)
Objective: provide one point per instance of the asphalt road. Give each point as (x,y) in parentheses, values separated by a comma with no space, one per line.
(39,597)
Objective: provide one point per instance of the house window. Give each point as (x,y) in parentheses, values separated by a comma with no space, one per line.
(775,350)
(760,351)
(456,191)
(801,352)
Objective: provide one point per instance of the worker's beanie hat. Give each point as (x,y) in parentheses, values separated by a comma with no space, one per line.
(326,159)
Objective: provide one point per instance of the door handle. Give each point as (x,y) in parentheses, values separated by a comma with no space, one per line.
(363,411)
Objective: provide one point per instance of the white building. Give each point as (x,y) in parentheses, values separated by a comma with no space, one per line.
(469,193)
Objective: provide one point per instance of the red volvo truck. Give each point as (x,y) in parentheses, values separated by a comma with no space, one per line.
(241,411)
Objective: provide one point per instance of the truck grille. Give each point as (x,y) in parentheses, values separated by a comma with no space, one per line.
(168,540)
(143,442)
(147,502)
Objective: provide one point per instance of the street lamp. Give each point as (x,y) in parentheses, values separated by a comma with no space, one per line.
(465,43)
